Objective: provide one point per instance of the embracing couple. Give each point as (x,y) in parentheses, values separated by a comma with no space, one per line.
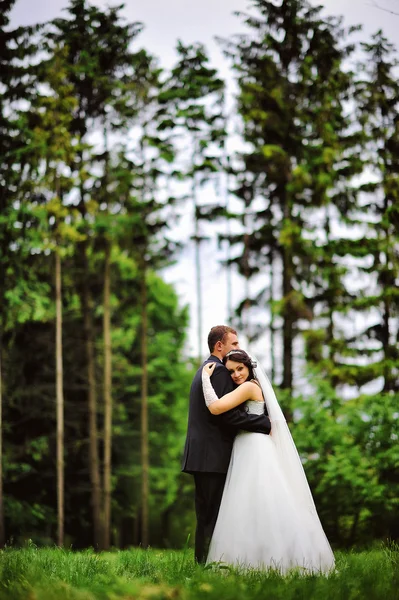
(253,504)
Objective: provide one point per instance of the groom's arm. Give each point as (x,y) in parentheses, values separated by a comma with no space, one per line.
(237,417)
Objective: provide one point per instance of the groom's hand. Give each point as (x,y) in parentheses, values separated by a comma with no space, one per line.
(209,368)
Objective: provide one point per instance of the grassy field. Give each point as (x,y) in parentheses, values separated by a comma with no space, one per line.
(53,574)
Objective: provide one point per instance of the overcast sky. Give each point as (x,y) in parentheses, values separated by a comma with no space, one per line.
(200,20)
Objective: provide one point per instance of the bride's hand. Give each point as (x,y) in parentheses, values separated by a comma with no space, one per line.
(209,368)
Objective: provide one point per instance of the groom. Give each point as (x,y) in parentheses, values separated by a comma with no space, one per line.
(210,438)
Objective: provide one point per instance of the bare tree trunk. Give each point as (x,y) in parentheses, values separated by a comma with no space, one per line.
(389,357)
(245,312)
(288,316)
(2,532)
(229,284)
(288,324)
(352,534)
(92,406)
(331,309)
(144,413)
(94,463)
(247,304)
(197,241)
(388,378)
(59,400)
(107,398)
(272,325)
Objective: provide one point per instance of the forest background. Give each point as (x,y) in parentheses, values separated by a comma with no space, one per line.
(106,157)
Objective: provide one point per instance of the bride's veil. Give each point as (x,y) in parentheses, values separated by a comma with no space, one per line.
(288,455)
(291,465)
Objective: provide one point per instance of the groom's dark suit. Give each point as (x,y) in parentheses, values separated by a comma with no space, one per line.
(208,449)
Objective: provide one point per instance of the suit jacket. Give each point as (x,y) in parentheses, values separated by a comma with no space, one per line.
(210,437)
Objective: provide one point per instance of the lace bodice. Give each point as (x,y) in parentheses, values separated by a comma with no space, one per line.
(254,408)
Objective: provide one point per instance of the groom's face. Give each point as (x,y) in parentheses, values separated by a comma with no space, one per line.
(230,342)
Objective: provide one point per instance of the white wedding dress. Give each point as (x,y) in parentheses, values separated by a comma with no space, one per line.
(267,519)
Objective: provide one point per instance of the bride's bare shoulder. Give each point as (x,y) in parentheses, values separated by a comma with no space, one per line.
(254,387)
(255,381)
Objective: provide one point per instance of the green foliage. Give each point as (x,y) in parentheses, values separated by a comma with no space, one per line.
(169,381)
(320,247)
(292,103)
(30,444)
(378,108)
(350,454)
(59,574)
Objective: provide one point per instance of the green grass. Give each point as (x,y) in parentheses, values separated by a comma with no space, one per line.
(54,574)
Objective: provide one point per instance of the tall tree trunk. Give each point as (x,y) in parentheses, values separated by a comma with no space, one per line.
(386,317)
(229,285)
(198,275)
(288,316)
(144,411)
(92,403)
(288,323)
(386,346)
(107,397)
(353,530)
(331,308)
(59,400)
(2,531)
(245,319)
(245,314)
(272,325)
(94,463)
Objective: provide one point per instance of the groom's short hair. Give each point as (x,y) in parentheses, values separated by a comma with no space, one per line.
(217,334)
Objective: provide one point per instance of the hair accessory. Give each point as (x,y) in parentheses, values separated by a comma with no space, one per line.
(254,364)
(234,352)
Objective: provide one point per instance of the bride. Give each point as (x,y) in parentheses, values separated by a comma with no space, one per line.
(267,517)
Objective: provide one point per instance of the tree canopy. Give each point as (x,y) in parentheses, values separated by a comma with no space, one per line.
(104,153)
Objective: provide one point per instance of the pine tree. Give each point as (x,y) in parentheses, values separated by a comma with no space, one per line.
(16,46)
(54,147)
(76,34)
(371,214)
(193,96)
(379,106)
(153,251)
(291,98)
(142,223)
(102,70)
(360,356)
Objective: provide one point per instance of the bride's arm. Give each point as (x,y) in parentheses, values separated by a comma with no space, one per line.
(217,406)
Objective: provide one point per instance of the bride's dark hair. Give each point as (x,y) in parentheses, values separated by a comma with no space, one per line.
(240,356)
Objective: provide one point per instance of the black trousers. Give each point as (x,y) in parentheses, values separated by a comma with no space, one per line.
(208,496)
